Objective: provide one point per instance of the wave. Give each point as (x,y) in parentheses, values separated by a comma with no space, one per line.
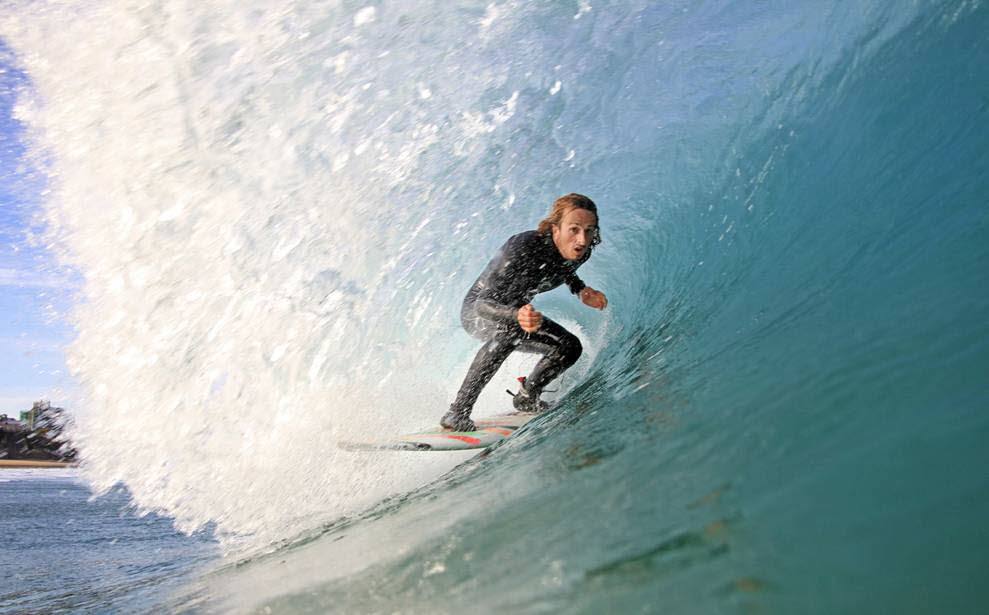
(276,213)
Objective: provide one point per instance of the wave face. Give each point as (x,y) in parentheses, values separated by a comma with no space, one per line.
(276,213)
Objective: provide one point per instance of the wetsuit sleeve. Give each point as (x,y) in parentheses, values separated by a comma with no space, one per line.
(576,284)
(497,312)
(498,275)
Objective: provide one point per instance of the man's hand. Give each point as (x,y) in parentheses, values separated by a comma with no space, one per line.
(593,298)
(529,319)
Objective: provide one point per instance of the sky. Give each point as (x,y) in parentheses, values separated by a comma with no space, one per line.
(33,296)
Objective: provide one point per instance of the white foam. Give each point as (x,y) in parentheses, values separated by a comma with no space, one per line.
(263,214)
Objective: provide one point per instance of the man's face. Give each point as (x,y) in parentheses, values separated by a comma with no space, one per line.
(573,235)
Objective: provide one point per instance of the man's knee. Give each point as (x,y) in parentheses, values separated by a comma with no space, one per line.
(570,349)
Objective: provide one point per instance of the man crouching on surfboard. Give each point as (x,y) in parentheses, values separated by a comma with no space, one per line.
(497,308)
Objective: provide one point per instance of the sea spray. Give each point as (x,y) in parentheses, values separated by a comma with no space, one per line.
(274,213)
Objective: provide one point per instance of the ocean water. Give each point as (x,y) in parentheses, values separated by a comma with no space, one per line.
(64,552)
(275,212)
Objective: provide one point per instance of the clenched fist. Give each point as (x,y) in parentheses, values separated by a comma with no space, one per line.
(593,298)
(529,319)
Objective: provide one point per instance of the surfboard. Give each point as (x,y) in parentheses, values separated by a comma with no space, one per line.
(489,431)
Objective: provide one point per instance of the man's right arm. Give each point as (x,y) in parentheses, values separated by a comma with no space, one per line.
(495,282)
(497,312)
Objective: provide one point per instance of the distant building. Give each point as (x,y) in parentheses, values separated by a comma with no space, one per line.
(9,425)
(43,416)
(36,435)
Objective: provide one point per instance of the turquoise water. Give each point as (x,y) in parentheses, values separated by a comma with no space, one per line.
(783,409)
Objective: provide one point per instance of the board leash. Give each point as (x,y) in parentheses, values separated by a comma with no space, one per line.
(521,380)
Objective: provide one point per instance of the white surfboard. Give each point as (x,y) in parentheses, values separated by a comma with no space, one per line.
(489,431)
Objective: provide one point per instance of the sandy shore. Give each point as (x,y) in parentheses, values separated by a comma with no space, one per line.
(28,463)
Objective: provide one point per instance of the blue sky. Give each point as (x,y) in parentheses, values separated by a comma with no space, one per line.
(33,295)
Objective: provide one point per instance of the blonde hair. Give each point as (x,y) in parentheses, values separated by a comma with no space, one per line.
(562,206)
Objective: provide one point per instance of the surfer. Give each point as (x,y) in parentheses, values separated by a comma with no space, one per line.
(497,308)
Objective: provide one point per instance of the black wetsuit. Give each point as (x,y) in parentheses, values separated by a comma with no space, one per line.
(528,264)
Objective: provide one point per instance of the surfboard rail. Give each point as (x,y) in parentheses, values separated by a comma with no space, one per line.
(490,431)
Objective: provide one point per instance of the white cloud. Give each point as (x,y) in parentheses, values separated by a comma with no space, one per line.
(34,343)
(32,279)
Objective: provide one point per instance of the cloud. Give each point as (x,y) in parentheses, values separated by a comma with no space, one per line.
(33,343)
(33,279)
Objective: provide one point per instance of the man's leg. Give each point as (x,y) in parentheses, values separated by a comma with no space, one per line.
(487,361)
(560,350)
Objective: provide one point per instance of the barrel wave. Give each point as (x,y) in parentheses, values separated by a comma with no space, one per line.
(276,213)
